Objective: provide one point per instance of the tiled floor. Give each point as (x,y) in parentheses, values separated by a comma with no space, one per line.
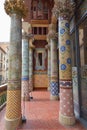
(2,125)
(42,114)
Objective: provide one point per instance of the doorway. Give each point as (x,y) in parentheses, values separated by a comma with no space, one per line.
(83,67)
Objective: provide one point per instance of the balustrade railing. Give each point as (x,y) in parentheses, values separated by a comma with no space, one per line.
(3,94)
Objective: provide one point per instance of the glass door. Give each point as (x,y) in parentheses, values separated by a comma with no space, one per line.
(83,67)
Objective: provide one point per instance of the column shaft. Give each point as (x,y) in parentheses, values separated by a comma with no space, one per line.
(13,107)
(54,70)
(49,67)
(16,10)
(30,69)
(25,68)
(66,113)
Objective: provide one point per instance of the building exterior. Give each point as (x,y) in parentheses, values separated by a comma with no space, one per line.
(54,34)
(2,66)
(3,62)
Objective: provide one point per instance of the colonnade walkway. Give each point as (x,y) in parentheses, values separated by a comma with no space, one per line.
(41,114)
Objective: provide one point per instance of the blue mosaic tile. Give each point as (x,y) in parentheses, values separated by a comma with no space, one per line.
(62,48)
(67,25)
(25,78)
(63,67)
(54,88)
(62,31)
(65,83)
(69,60)
(68,42)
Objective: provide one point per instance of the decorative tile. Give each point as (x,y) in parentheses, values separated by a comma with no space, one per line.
(62,48)
(54,88)
(66,83)
(67,25)
(68,42)
(62,31)
(63,67)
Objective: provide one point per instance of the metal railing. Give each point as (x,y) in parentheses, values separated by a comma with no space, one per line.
(3,95)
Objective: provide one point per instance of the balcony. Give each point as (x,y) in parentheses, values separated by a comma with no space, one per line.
(41,114)
(39,21)
(40,37)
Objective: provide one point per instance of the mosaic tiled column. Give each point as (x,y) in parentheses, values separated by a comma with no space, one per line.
(54,67)
(54,70)
(25,67)
(13,107)
(49,65)
(66,112)
(31,47)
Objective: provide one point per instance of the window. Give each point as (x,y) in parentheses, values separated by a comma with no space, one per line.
(73,49)
(0,65)
(45,30)
(0,78)
(83,67)
(34,8)
(40,30)
(40,58)
(35,30)
(1,56)
(83,43)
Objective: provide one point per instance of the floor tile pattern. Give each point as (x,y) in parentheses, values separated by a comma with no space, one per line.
(41,114)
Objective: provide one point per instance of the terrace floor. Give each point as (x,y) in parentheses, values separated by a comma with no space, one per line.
(41,114)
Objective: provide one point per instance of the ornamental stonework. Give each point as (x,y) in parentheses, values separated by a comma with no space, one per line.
(64,8)
(54,15)
(52,32)
(15,6)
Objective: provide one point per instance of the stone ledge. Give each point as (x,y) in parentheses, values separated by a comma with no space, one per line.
(67,121)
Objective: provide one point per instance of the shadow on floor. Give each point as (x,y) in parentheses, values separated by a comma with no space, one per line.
(48,125)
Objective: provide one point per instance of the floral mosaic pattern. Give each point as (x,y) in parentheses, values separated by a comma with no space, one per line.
(64,50)
(65,73)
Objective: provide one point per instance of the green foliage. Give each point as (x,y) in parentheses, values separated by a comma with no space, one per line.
(3,98)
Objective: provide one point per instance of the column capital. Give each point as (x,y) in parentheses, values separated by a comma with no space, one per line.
(31,37)
(48,39)
(64,8)
(52,32)
(15,6)
(25,35)
(31,40)
(47,46)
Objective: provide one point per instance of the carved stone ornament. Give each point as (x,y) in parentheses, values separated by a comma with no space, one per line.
(52,27)
(52,32)
(31,40)
(25,35)
(47,46)
(15,6)
(64,7)
(54,15)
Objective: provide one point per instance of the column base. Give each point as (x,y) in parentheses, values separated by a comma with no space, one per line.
(12,124)
(54,97)
(65,120)
(26,98)
(48,88)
